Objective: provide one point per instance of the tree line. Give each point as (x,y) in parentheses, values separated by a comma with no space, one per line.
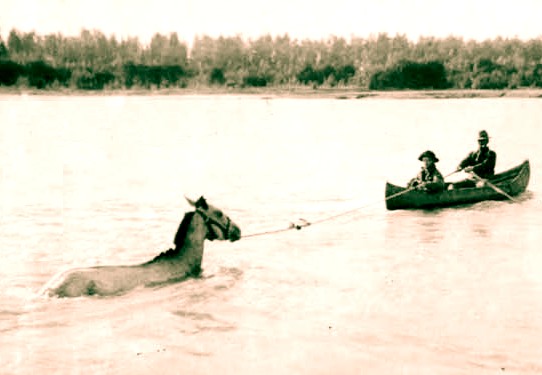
(94,61)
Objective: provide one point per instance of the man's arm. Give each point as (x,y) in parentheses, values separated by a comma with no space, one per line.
(415,181)
(468,161)
(436,184)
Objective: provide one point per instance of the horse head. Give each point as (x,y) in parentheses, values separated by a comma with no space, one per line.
(219,225)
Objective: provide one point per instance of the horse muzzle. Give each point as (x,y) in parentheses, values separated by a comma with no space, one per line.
(234,234)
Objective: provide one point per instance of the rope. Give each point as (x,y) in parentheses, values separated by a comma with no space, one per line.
(292,226)
(304,223)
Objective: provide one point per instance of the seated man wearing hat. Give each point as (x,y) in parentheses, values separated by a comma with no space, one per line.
(429,179)
(482,161)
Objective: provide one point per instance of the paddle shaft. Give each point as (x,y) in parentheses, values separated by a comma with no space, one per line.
(497,189)
(454,172)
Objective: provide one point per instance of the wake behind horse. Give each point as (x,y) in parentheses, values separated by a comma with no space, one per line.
(205,222)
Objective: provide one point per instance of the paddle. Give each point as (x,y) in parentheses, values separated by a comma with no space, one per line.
(454,172)
(497,189)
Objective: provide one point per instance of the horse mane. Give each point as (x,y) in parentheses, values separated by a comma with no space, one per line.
(178,241)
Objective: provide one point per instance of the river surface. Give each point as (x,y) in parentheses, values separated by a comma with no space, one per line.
(101,180)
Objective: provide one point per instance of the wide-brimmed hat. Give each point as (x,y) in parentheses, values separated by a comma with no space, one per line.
(483,136)
(429,154)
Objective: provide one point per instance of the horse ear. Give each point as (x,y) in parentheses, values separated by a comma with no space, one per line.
(202,203)
(190,201)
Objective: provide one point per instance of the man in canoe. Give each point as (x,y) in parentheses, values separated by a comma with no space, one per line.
(429,179)
(482,161)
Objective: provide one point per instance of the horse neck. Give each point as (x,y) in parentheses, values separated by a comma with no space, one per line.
(192,246)
(188,240)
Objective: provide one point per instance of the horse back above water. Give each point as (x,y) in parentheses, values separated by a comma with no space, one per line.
(205,222)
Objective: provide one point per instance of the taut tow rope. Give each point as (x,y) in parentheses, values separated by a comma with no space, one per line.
(302,223)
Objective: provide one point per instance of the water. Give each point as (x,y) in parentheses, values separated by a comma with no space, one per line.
(100,180)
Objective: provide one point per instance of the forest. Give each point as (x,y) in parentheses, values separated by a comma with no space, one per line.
(94,61)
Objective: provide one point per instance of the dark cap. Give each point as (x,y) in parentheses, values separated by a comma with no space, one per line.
(483,136)
(430,155)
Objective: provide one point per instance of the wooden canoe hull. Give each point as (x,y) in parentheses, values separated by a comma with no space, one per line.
(513,181)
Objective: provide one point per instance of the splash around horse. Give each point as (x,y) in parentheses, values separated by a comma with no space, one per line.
(205,222)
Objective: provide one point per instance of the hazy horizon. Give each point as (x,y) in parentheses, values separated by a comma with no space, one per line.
(300,19)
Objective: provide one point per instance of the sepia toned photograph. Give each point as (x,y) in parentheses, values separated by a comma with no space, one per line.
(286,187)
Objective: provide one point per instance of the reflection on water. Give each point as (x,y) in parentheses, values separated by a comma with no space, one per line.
(427,227)
(481,230)
(431,230)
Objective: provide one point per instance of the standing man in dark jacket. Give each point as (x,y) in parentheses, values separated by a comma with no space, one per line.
(482,162)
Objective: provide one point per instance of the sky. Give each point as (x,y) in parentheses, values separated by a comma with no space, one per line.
(312,19)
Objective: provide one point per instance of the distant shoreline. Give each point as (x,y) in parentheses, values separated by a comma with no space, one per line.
(297,92)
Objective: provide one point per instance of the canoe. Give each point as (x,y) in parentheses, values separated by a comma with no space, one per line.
(513,181)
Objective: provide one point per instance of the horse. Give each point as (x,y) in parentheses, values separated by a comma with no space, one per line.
(179,263)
